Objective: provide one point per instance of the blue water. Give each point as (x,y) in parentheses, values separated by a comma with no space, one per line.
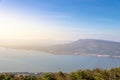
(12,60)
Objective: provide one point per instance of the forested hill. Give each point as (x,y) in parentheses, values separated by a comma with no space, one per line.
(87,46)
(95,74)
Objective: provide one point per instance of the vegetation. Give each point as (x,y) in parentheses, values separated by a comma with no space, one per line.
(95,74)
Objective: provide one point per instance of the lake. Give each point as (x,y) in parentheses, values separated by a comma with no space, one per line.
(15,60)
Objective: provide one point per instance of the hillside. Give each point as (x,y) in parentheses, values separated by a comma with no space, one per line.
(87,46)
(92,47)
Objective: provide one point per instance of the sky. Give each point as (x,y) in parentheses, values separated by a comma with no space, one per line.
(59,20)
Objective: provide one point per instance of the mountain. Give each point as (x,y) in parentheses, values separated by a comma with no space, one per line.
(87,46)
(92,47)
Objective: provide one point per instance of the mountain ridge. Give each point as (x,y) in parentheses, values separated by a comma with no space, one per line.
(87,46)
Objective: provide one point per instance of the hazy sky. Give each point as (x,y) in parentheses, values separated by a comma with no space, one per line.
(59,19)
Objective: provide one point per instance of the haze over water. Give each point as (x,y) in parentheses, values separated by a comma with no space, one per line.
(35,61)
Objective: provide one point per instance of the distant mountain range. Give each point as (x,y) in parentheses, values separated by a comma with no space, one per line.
(93,47)
(87,47)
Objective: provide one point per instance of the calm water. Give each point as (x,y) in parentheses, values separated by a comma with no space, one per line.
(12,60)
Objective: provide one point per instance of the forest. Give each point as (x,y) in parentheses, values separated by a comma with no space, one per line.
(86,74)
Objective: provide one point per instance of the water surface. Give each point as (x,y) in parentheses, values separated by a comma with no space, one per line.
(12,60)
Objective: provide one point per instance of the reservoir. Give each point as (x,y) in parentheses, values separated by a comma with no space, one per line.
(17,60)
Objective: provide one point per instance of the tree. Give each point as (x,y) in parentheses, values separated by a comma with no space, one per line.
(49,76)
